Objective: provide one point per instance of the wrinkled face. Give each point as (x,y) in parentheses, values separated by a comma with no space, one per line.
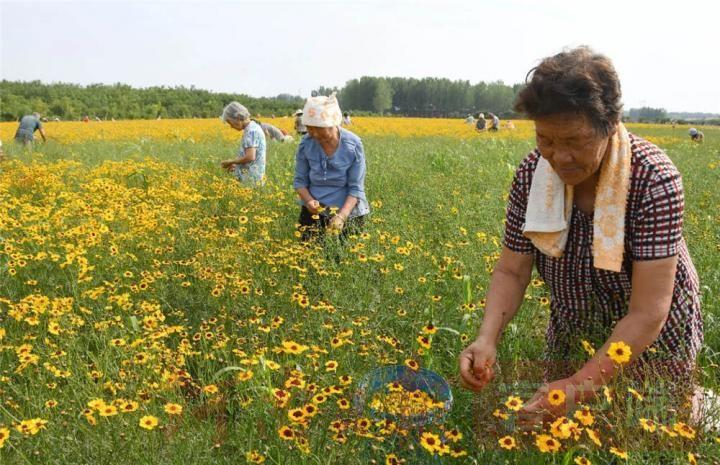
(322,134)
(571,146)
(237,124)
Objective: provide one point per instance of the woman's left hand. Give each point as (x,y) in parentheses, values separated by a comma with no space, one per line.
(540,408)
(337,222)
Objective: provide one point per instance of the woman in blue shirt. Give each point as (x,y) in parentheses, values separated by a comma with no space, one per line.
(249,166)
(329,172)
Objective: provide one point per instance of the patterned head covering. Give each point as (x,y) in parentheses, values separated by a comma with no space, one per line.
(322,112)
(235,111)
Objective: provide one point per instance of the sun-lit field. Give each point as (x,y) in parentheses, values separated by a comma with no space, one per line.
(152,310)
(194,130)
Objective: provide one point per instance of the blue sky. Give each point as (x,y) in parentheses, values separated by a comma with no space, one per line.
(665,53)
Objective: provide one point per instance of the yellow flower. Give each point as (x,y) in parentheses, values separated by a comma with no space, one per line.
(547,443)
(108,411)
(594,436)
(514,403)
(331,365)
(245,375)
(286,433)
(292,347)
(608,394)
(556,397)
(395,387)
(430,442)
(501,415)
(392,459)
(507,442)
(343,404)
(429,329)
(453,435)
(563,428)
(210,389)
(582,461)
(637,395)
(619,453)
(173,409)
(584,416)
(296,415)
(4,435)
(129,406)
(684,430)
(619,352)
(648,425)
(254,456)
(588,348)
(691,459)
(412,364)
(148,422)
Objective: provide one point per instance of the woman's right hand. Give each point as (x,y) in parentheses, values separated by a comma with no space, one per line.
(313,206)
(476,364)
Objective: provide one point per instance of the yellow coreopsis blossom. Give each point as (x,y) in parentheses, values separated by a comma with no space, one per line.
(619,352)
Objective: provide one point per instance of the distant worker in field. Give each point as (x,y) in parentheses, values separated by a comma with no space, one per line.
(25,133)
(480,124)
(346,119)
(509,125)
(696,136)
(494,122)
(470,120)
(329,172)
(249,166)
(275,133)
(299,126)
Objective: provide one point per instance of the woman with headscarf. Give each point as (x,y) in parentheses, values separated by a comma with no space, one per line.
(599,212)
(481,123)
(329,172)
(249,165)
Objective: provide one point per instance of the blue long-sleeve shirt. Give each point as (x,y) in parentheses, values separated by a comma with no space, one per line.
(331,179)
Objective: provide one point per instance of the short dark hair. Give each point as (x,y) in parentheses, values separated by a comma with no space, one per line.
(574,81)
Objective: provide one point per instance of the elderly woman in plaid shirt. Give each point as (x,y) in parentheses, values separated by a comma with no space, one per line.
(599,213)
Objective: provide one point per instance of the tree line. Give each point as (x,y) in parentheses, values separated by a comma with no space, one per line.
(439,97)
(436,97)
(660,115)
(399,96)
(120,101)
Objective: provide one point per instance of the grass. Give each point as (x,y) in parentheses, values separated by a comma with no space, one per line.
(152,245)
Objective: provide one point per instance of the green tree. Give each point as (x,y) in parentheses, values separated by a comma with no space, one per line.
(382,98)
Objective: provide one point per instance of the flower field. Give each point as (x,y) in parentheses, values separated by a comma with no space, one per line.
(152,310)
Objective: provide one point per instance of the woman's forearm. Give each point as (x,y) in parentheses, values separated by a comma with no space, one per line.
(650,302)
(347,208)
(638,331)
(305,195)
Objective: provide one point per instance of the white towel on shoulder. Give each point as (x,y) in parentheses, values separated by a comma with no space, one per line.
(549,207)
